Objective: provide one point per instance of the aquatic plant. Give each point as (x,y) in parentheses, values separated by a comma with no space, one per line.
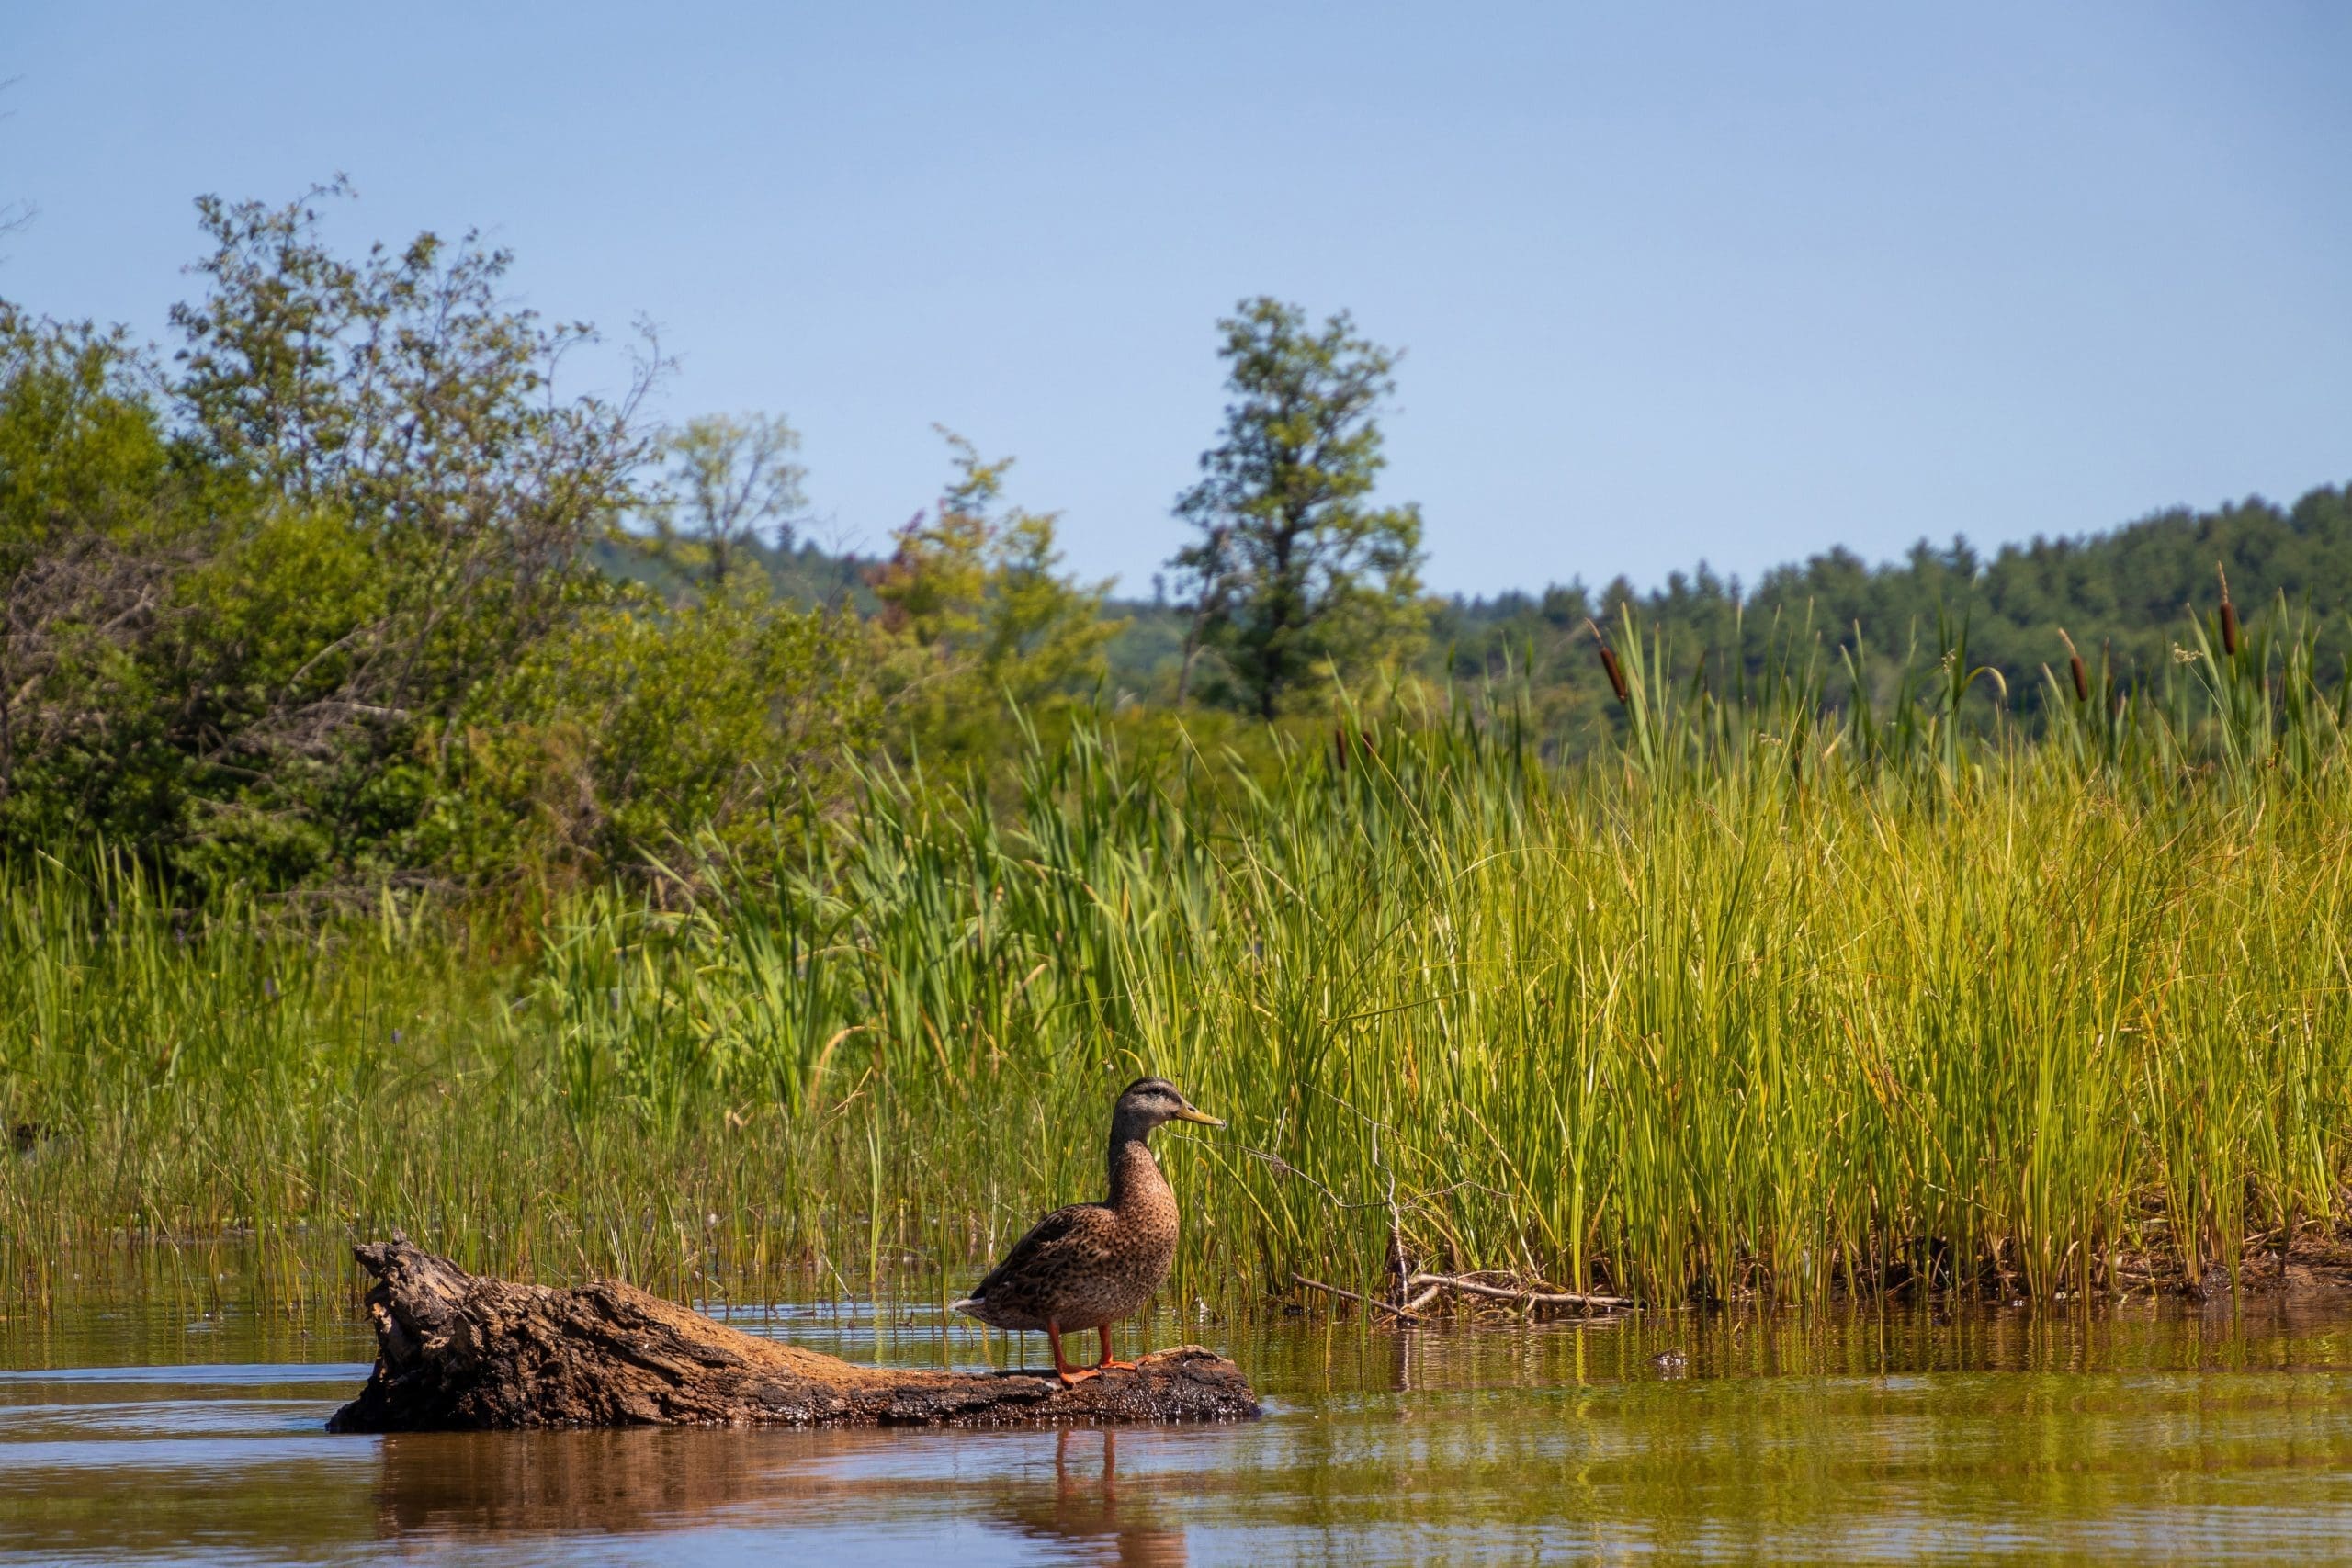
(1795,991)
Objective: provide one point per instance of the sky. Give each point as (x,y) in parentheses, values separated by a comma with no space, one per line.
(1673,283)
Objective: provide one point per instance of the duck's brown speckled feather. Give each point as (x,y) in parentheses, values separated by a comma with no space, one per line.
(1090,1263)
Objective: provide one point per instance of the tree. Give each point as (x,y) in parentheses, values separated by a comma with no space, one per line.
(92,525)
(977,608)
(431,499)
(1296,577)
(245,608)
(729,480)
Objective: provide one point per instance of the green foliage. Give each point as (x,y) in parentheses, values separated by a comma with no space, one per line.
(81,449)
(96,513)
(2119,596)
(1735,1012)
(322,608)
(728,481)
(633,730)
(974,613)
(338,597)
(405,395)
(1295,580)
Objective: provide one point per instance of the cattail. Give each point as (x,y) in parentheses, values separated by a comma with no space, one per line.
(1339,746)
(1610,666)
(2074,668)
(2228,615)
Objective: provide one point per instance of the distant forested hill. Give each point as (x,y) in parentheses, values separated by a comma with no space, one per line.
(2127,590)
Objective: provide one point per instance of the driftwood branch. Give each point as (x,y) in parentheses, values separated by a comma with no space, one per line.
(456,1351)
(1523,1296)
(1408,1312)
(1426,1288)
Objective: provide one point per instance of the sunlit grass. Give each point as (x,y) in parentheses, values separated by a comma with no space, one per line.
(1789,995)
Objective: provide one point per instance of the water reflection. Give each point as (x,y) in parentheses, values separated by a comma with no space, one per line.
(626,1482)
(2148,1432)
(1083,1514)
(631,1482)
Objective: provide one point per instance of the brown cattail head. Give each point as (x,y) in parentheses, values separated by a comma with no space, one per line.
(1339,746)
(2074,668)
(2229,616)
(1610,666)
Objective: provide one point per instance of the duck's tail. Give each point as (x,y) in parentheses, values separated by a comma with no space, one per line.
(968,1305)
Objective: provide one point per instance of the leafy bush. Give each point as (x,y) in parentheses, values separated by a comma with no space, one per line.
(635,726)
(320,605)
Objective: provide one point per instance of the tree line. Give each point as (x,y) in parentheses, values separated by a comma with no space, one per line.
(344,589)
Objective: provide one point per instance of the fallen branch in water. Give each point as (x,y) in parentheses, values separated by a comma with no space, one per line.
(1428,1287)
(1406,1313)
(1520,1295)
(1418,1290)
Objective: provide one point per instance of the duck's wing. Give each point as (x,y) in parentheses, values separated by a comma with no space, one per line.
(1066,1233)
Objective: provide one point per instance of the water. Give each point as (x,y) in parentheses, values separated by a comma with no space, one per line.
(163,1432)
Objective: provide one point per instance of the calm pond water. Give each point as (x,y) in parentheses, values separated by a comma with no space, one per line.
(149,1431)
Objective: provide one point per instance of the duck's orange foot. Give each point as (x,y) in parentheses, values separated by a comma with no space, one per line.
(1122,1366)
(1074,1376)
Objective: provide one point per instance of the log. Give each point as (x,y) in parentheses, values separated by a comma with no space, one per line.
(459,1352)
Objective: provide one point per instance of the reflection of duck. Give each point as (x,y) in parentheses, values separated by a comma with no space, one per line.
(1091,1264)
(1088,1522)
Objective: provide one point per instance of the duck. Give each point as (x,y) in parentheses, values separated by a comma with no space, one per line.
(1091,1264)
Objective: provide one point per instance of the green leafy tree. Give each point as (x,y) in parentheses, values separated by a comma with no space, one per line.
(246,604)
(1296,577)
(431,499)
(94,518)
(975,609)
(729,482)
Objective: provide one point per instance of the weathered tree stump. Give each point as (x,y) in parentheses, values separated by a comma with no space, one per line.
(456,1351)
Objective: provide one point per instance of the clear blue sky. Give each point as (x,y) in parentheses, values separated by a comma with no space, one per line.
(1736,281)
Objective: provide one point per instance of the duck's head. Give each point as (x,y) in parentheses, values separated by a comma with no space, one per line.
(1147,1102)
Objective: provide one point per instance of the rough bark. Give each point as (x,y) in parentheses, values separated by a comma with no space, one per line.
(456,1351)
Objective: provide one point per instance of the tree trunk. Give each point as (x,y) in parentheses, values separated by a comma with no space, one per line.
(456,1351)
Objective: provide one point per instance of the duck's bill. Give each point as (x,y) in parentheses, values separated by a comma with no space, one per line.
(1190,1114)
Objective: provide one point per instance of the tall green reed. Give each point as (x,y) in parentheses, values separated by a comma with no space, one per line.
(1796,992)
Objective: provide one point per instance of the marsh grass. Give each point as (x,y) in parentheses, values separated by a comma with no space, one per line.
(1796,990)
